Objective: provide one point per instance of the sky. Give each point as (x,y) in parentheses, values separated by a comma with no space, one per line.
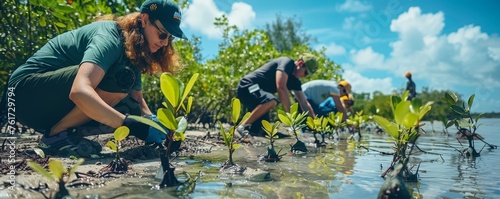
(446,44)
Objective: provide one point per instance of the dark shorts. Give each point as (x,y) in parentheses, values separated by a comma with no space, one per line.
(252,100)
(42,99)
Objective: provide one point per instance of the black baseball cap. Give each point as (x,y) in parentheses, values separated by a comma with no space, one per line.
(167,13)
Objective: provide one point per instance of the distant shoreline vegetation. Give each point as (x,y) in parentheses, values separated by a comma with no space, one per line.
(488,115)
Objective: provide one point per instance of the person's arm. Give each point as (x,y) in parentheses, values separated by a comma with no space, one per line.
(304,104)
(137,95)
(283,93)
(85,97)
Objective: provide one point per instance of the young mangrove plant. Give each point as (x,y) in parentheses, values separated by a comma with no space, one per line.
(319,125)
(175,92)
(404,130)
(356,121)
(229,166)
(118,165)
(466,125)
(56,173)
(295,121)
(336,123)
(272,135)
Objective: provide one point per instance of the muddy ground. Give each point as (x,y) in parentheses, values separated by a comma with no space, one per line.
(19,180)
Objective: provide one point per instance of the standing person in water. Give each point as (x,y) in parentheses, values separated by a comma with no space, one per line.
(83,76)
(410,86)
(281,75)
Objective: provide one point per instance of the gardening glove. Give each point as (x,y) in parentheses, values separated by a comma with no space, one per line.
(144,131)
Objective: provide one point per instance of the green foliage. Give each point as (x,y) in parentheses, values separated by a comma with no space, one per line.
(271,131)
(119,134)
(228,136)
(404,124)
(335,120)
(293,119)
(56,172)
(285,34)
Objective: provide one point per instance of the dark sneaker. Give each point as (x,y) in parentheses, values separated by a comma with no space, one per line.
(64,145)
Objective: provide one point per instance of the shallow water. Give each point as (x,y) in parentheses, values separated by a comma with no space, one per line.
(341,170)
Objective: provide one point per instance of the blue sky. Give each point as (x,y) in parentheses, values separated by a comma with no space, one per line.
(446,44)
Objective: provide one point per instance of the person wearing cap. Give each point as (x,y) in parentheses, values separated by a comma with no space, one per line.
(92,75)
(410,86)
(281,75)
(325,96)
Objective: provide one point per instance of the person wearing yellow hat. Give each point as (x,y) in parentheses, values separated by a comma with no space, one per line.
(93,75)
(256,90)
(325,96)
(410,86)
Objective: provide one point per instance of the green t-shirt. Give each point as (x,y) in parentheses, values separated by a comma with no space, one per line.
(100,43)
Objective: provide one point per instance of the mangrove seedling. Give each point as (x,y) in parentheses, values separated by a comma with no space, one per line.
(56,173)
(229,166)
(118,165)
(404,130)
(272,135)
(336,123)
(318,125)
(356,121)
(295,121)
(466,125)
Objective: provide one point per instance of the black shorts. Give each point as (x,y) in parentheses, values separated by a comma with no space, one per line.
(42,99)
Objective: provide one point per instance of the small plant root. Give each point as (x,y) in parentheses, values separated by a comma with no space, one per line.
(231,167)
(116,166)
(271,155)
(298,146)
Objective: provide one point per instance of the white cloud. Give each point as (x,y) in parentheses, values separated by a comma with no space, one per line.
(367,59)
(466,60)
(201,14)
(368,85)
(332,49)
(353,6)
(242,15)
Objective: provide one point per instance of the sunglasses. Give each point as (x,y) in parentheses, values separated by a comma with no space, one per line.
(164,35)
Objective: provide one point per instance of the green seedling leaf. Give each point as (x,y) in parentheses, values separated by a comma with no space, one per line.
(389,127)
(394,102)
(410,120)
(247,115)
(39,169)
(284,118)
(458,109)
(294,108)
(402,109)
(57,169)
(148,122)
(167,118)
(236,105)
(267,126)
(477,117)
(451,98)
(426,108)
(236,146)
(121,133)
(405,95)
(182,126)
(189,86)
(471,101)
(76,165)
(189,104)
(112,146)
(170,88)
(310,123)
